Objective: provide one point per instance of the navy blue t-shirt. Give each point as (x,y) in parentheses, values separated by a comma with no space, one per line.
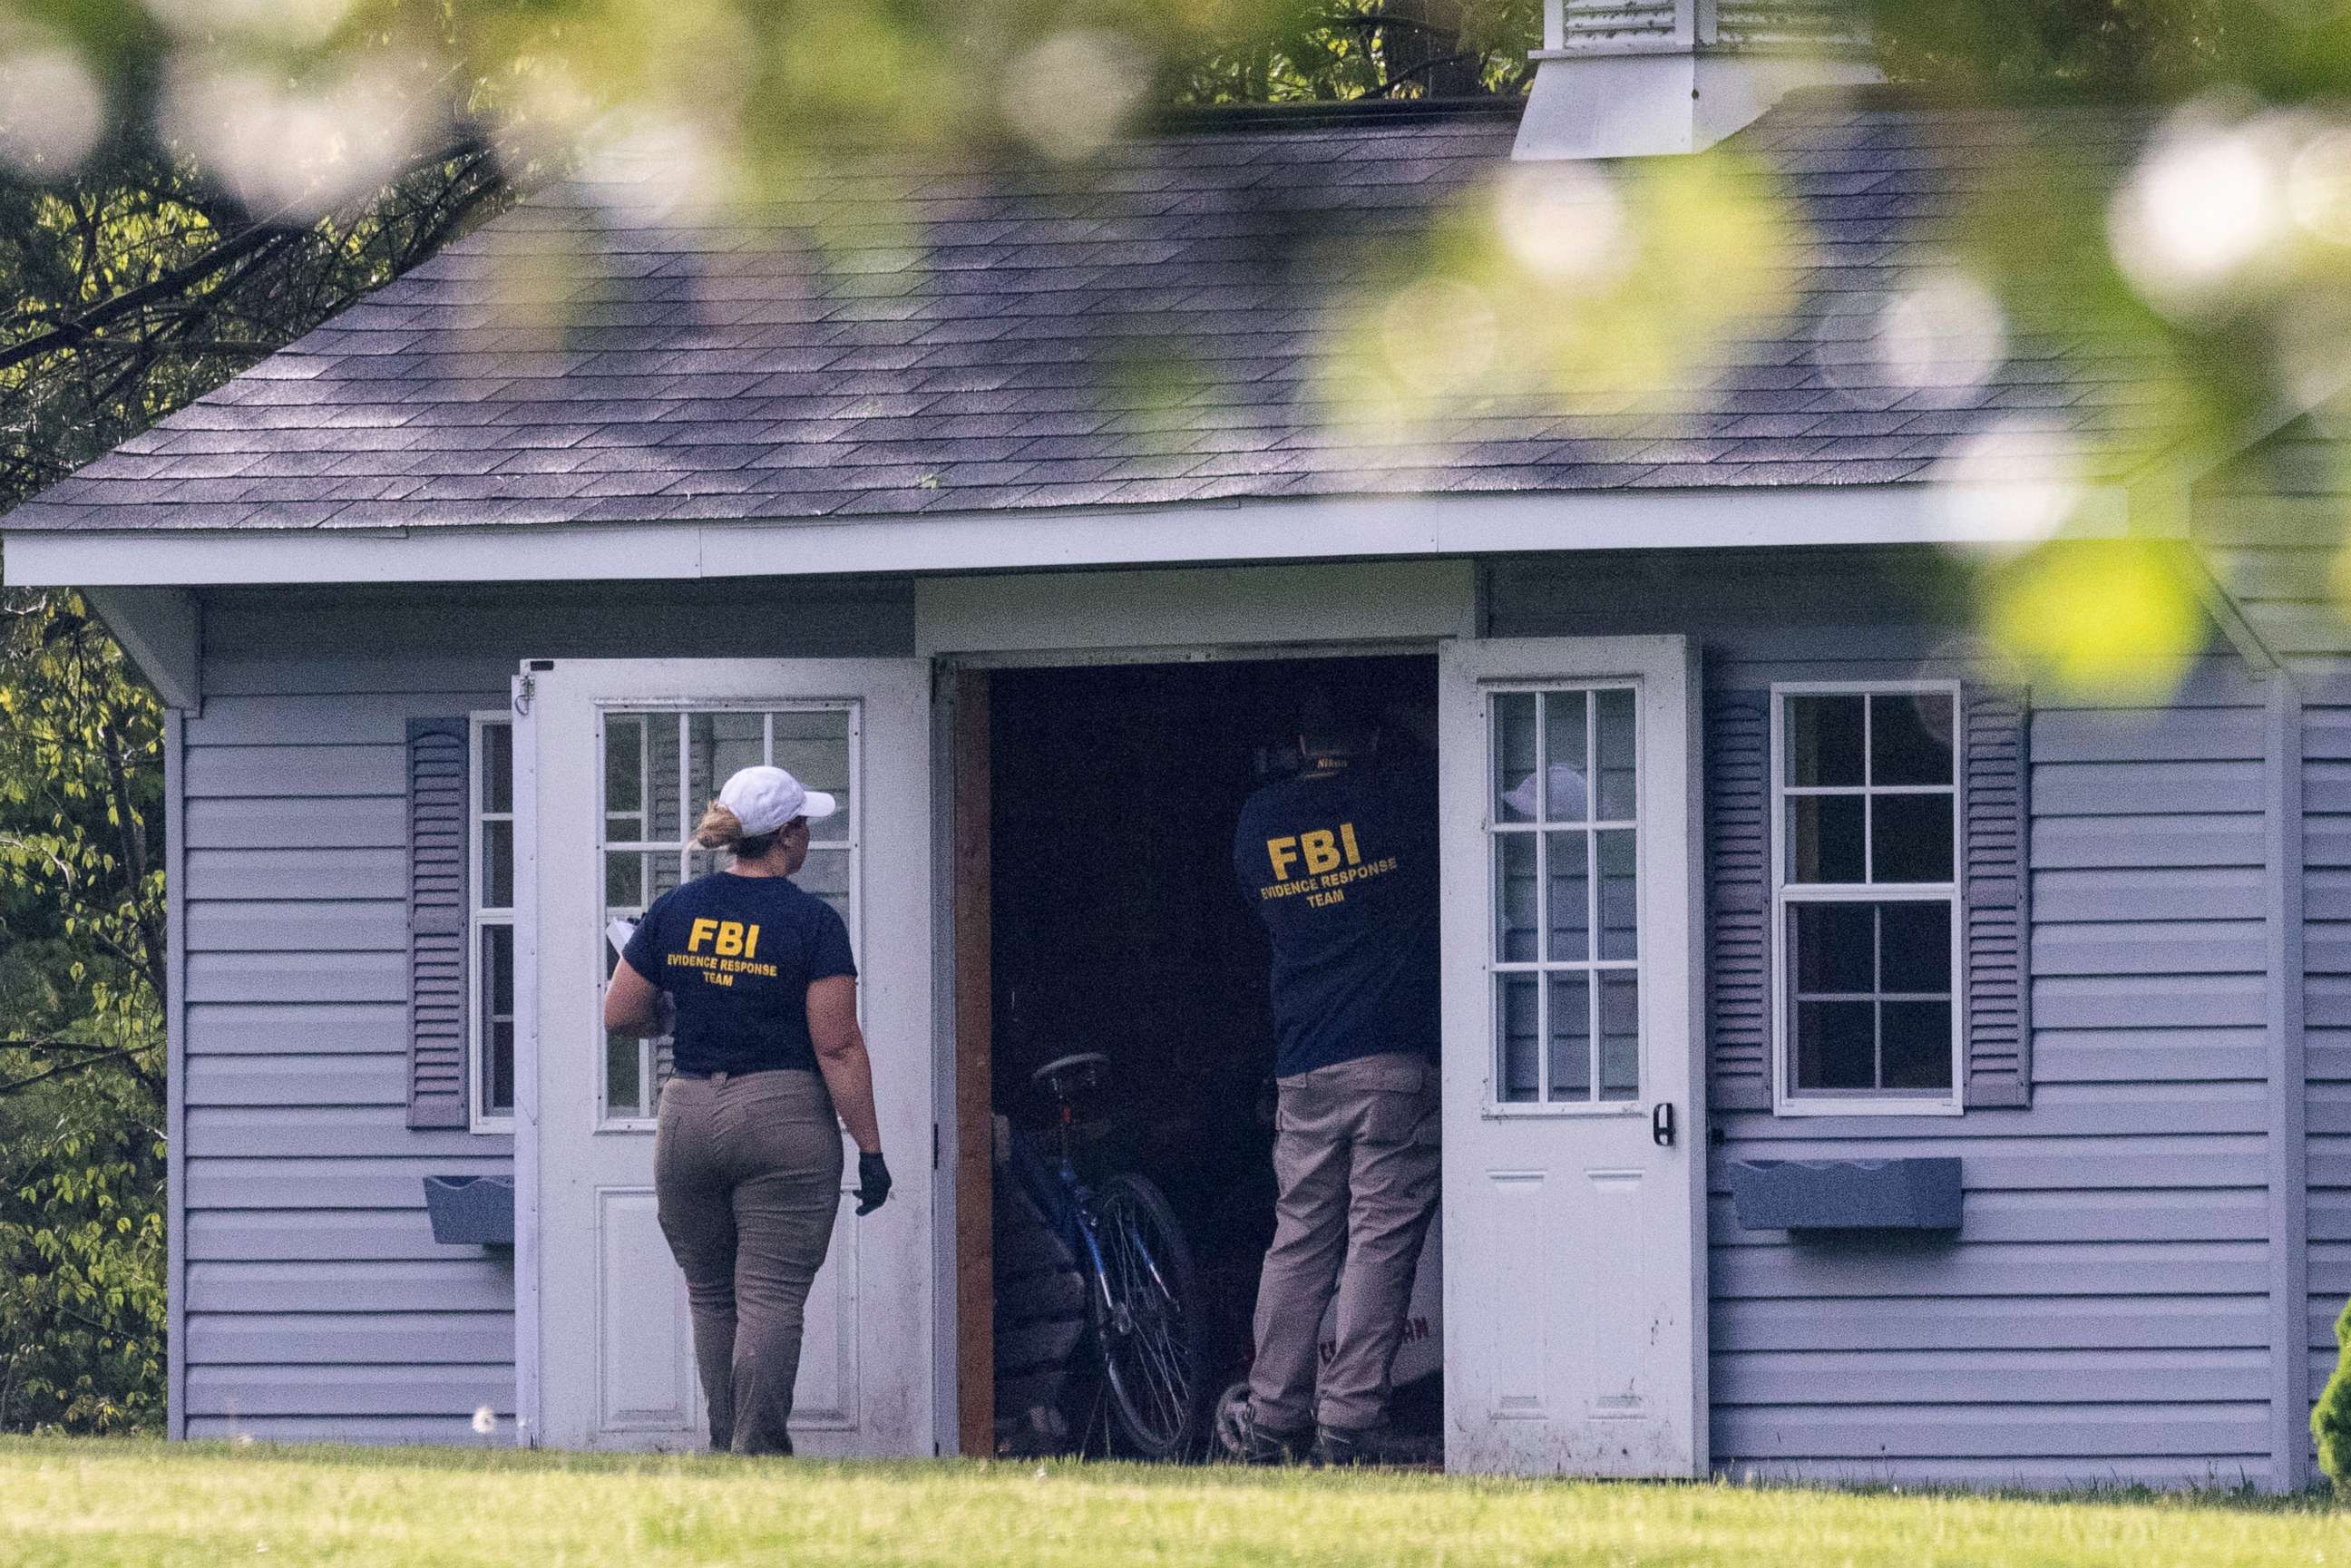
(738,953)
(1343,871)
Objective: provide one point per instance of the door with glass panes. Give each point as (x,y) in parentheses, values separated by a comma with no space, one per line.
(625,754)
(1574,1160)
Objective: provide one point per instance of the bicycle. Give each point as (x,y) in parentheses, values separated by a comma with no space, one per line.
(1142,1305)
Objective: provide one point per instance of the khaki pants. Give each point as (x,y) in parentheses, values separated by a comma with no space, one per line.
(1355,1157)
(746,1173)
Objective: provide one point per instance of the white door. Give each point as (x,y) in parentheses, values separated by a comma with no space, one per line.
(1575,1154)
(622,754)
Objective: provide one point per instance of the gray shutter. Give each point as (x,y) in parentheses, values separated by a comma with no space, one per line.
(438,918)
(1997,891)
(1738,899)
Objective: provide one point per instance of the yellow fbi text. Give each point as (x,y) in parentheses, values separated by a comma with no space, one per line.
(734,950)
(1330,860)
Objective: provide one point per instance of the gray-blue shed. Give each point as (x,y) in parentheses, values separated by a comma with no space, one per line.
(455,625)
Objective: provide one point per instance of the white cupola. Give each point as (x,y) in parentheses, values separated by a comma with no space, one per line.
(1632,78)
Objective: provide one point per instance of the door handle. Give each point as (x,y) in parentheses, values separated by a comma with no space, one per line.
(1661,1124)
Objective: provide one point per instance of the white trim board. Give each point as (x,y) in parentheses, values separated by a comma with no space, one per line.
(1197,609)
(1192,534)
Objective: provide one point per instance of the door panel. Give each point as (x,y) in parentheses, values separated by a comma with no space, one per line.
(645,1379)
(624,753)
(1573,1236)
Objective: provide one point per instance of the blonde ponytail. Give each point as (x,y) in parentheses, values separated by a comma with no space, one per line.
(720,829)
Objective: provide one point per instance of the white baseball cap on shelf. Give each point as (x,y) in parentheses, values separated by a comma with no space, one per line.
(765,799)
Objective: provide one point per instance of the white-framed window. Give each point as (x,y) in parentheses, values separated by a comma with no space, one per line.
(656,769)
(490,874)
(1866,910)
(1564,842)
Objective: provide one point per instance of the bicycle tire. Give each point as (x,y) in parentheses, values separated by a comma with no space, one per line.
(1148,1331)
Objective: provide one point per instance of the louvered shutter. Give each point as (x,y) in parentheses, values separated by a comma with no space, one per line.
(1998,891)
(1738,899)
(437,912)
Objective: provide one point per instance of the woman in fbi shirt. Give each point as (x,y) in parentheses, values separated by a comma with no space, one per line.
(747,1163)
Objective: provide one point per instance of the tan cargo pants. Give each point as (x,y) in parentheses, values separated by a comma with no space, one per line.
(1355,1157)
(747,1179)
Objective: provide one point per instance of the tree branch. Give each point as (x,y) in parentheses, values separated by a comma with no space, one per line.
(68,1069)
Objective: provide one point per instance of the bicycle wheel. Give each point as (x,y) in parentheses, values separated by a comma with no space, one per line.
(1150,1324)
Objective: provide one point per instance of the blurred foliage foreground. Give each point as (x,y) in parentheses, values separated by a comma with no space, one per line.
(185,184)
(2211,267)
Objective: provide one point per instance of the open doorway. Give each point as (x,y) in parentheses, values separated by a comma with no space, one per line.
(1117,926)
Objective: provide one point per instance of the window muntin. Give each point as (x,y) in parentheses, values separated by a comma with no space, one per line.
(1564,842)
(490,877)
(658,768)
(1866,845)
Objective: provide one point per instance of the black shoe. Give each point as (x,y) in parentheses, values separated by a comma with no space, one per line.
(1357,1446)
(1247,1442)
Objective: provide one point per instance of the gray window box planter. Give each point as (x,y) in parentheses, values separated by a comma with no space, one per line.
(471,1211)
(1846,1195)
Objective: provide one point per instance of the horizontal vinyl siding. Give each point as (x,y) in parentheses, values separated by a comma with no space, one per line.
(2145,1209)
(2104,1314)
(315,1303)
(2326,1010)
(2270,526)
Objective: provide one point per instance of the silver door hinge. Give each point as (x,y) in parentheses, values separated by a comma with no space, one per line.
(935,1145)
(523,688)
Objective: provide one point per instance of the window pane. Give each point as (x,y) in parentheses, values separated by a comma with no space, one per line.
(1833,946)
(1570,895)
(1914,948)
(1620,1035)
(827,875)
(624,880)
(497,767)
(1612,717)
(1910,738)
(664,873)
(497,1069)
(622,1081)
(497,865)
(1620,895)
(1514,757)
(495,987)
(1518,1045)
(1824,839)
(624,764)
(1917,1044)
(1571,1036)
(1835,1047)
(1564,759)
(497,971)
(1910,838)
(814,748)
(1514,898)
(665,822)
(1824,741)
(723,744)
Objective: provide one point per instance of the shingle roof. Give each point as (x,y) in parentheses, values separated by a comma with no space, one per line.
(729,370)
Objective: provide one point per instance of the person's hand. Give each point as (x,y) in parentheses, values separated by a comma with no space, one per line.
(872,1181)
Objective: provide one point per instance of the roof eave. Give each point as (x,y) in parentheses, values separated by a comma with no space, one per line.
(1193,533)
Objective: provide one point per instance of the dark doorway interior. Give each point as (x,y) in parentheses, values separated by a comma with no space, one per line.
(1117,927)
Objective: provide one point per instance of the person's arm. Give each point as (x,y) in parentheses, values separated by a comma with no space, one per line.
(840,1057)
(631,1003)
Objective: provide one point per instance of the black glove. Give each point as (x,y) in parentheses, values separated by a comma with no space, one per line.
(873,1182)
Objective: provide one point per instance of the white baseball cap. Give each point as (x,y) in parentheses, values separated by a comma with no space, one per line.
(765,799)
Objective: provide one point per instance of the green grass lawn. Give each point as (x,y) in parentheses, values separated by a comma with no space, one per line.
(103,1504)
